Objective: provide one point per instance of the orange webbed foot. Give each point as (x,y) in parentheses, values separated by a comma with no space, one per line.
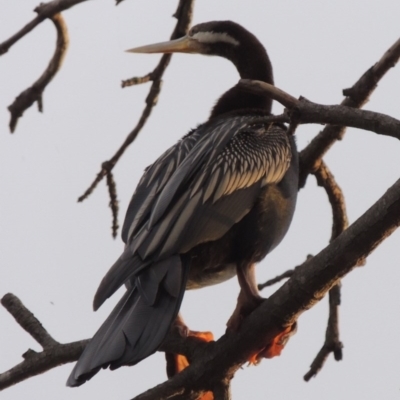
(177,362)
(275,347)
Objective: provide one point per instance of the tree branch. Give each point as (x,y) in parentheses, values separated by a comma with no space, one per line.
(35,92)
(27,320)
(281,277)
(304,111)
(357,96)
(44,10)
(53,354)
(332,342)
(326,180)
(184,15)
(305,288)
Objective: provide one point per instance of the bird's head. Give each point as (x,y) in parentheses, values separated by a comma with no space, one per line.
(221,38)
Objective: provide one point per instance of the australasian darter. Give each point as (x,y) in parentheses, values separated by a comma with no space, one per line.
(210,207)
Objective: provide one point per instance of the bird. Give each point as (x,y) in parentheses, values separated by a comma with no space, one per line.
(209,208)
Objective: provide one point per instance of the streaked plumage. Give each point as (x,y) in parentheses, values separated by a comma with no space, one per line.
(210,207)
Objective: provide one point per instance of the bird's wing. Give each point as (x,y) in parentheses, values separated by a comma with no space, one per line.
(215,186)
(154,180)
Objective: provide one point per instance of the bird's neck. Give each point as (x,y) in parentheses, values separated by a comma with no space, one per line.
(252,63)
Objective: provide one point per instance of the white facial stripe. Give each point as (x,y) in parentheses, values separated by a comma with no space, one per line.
(214,37)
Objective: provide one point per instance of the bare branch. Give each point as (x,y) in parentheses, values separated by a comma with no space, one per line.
(357,96)
(326,180)
(35,92)
(286,274)
(37,363)
(184,15)
(304,111)
(332,342)
(44,10)
(137,80)
(112,191)
(53,354)
(277,279)
(27,320)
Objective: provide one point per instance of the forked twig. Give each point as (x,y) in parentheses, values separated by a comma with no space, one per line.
(184,16)
(35,92)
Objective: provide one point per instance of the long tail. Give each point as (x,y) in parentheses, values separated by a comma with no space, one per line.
(139,322)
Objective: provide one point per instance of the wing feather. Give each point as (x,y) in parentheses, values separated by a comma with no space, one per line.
(200,202)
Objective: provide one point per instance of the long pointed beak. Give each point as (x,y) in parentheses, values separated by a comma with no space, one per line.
(182,45)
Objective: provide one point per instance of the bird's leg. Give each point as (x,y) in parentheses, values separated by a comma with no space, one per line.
(177,362)
(249,299)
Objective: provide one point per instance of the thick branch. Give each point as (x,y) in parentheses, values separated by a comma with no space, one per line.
(304,289)
(357,96)
(304,111)
(44,10)
(35,92)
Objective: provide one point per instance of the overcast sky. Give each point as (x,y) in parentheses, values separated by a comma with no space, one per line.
(55,251)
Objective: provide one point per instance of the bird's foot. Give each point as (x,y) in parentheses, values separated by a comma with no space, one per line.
(245,306)
(177,362)
(275,347)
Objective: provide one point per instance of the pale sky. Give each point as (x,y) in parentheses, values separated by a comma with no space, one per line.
(55,251)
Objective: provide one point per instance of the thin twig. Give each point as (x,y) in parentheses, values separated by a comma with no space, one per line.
(285,275)
(332,342)
(277,279)
(112,191)
(326,180)
(357,96)
(35,92)
(184,15)
(137,80)
(44,10)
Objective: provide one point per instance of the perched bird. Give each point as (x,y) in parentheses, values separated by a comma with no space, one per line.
(210,207)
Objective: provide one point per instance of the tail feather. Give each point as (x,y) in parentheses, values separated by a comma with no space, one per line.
(118,274)
(136,327)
